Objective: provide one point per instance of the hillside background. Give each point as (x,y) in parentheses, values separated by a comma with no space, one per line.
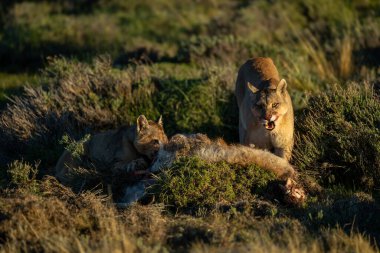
(70,68)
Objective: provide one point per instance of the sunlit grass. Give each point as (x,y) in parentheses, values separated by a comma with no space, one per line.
(13,83)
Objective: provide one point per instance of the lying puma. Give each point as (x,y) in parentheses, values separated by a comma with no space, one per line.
(122,151)
(215,151)
(266,118)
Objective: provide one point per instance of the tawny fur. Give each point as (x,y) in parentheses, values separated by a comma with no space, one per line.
(258,90)
(215,151)
(121,151)
(201,146)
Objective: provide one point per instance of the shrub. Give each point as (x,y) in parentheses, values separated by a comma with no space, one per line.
(23,175)
(192,183)
(338,135)
(76,148)
(200,105)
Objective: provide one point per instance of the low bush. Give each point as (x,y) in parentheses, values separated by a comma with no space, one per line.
(23,175)
(193,184)
(338,136)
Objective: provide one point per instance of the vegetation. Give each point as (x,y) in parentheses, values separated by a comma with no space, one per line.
(339,136)
(69,69)
(193,184)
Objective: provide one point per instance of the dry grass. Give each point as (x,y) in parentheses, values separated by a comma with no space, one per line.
(346,55)
(73,99)
(57,220)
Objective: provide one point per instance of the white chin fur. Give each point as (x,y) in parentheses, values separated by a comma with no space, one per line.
(273,118)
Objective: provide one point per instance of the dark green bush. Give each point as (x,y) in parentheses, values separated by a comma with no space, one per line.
(199,105)
(338,135)
(192,183)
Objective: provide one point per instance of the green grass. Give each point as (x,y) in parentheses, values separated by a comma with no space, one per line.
(311,44)
(11,84)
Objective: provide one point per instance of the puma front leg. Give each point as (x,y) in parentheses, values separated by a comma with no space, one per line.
(128,167)
(285,153)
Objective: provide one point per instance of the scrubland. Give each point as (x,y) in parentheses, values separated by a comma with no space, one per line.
(70,69)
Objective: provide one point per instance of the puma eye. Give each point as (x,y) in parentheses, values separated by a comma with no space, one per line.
(156,142)
(275,105)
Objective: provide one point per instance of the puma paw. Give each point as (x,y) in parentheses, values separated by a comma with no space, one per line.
(294,193)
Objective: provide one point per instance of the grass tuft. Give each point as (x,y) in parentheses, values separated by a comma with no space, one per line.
(23,175)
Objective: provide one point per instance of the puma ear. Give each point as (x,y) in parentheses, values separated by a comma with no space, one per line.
(159,121)
(281,86)
(252,87)
(142,123)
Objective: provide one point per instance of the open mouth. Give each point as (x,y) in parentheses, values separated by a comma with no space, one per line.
(270,125)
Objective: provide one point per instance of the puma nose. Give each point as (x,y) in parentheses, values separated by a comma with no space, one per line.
(268,117)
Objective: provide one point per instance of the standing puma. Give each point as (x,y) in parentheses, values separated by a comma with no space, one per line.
(122,150)
(266,117)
